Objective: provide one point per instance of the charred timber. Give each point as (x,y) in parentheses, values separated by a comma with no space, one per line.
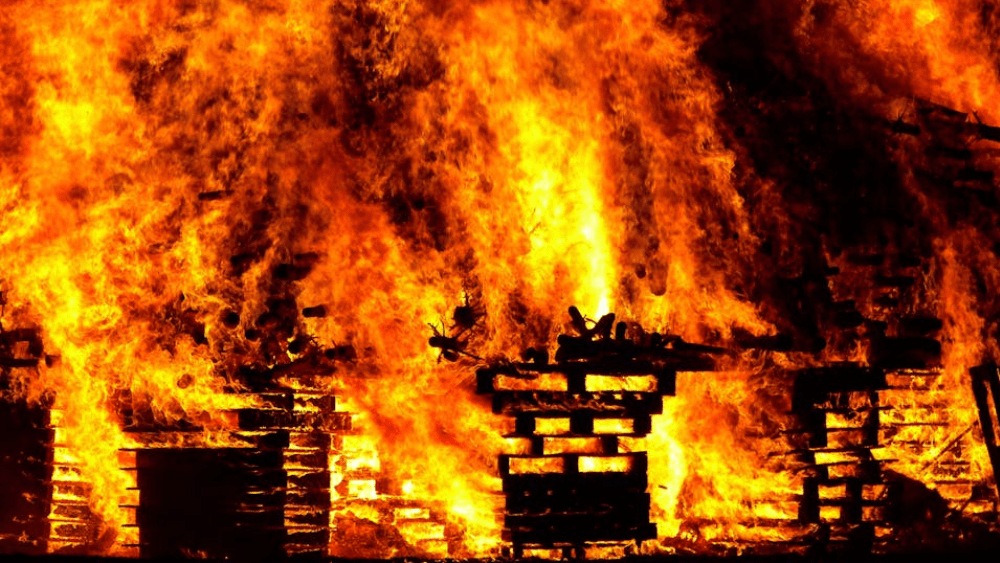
(573,370)
(899,282)
(813,385)
(19,362)
(975,175)
(900,126)
(865,259)
(318,311)
(988,132)
(26,451)
(215,195)
(902,352)
(225,503)
(684,356)
(260,419)
(569,500)
(919,325)
(774,343)
(927,108)
(626,405)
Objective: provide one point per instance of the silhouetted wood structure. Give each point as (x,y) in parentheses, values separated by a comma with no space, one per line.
(218,503)
(25,472)
(574,487)
(268,500)
(844,490)
(26,446)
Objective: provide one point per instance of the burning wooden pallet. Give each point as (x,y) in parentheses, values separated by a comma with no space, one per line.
(74,528)
(25,455)
(268,499)
(857,491)
(376,515)
(26,450)
(573,487)
(865,422)
(216,503)
(844,491)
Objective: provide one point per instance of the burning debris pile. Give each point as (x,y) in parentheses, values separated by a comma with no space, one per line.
(226,226)
(576,485)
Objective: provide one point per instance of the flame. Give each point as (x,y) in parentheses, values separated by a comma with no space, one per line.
(160,162)
(931,49)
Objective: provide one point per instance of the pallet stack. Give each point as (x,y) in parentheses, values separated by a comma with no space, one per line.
(944,147)
(866,422)
(313,438)
(949,147)
(572,486)
(376,516)
(74,528)
(26,451)
(264,494)
(844,491)
(215,503)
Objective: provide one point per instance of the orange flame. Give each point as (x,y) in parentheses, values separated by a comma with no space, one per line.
(521,156)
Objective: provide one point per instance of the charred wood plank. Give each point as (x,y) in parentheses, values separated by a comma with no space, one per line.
(625,514)
(929,109)
(26,485)
(577,499)
(214,195)
(310,518)
(579,532)
(609,366)
(974,175)
(314,312)
(900,126)
(226,503)
(683,356)
(309,459)
(774,343)
(988,132)
(313,440)
(813,385)
(919,325)
(905,352)
(281,400)
(309,480)
(627,405)
(638,462)
(269,441)
(314,537)
(308,497)
(900,282)
(7,362)
(581,424)
(863,259)
(261,419)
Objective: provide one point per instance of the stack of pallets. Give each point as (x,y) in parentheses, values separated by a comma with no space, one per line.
(573,486)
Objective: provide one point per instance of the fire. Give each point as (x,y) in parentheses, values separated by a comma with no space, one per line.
(204,203)
(931,49)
